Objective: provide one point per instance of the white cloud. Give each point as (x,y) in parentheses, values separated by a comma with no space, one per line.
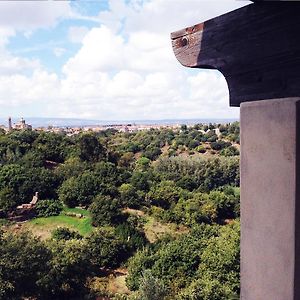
(164,16)
(101,50)
(134,73)
(125,68)
(29,15)
(77,33)
(20,89)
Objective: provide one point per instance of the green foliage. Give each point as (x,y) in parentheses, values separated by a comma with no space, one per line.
(152,152)
(129,196)
(198,209)
(208,174)
(142,260)
(219,145)
(175,262)
(126,160)
(106,249)
(80,190)
(105,211)
(47,208)
(141,180)
(69,268)
(25,182)
(72,167)
(187,183)
(200,149)
(23,265)
(143,164)
(107,172)
(204,264)
(151,288)
(133,147)
(90,148)
(230,151)
(64,233)
(131,235)
(218,272)
(164,194)
(52,146)
(7,199)
(225,204)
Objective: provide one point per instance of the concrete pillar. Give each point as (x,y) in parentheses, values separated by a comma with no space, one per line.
(270,252)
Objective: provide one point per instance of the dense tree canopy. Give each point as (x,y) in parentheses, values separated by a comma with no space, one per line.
(181,183)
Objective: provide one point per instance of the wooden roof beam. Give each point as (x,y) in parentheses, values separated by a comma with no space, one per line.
(256,48)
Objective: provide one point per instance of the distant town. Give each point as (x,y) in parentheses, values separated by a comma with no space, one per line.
(73,130)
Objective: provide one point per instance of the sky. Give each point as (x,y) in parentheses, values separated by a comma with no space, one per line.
(106,60)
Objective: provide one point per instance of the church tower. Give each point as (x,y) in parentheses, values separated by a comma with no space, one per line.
(9,124)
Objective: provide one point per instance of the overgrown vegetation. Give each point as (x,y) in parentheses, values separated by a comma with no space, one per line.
(101,196)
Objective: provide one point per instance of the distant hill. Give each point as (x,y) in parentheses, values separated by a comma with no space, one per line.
(68,122)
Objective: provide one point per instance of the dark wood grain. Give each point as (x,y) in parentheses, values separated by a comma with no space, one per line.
(256,48)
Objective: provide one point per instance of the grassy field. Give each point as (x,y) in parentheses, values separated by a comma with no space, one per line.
(43,227)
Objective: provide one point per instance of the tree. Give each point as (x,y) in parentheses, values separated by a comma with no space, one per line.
(79,190)
(230,151)
(69,269)
(90,148)
(152,152)
(218,275)
(53,146)
(151,288)
(7,199)
(187,183)
(126,160)
(105,211)
(219,145)
(196,210)
(141,261)
(143,164)
(25,182)
(13,176)
(129,196)
(132,236)
(64,233)
(164,194)
(72,167)
(106,249)
(224,204)
(23,265)
(174,261)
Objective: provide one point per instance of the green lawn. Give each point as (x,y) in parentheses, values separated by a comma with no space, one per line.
(44,226)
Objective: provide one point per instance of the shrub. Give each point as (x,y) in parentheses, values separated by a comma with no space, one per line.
(200,149)
(106,249)
(151,288)
(64,233)
(219,145)
(129,196)
(105,211)
(7,199)
(134,238)
(47,208)
(230,151)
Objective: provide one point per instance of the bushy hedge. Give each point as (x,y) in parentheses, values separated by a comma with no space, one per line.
(64,233)
(47,208)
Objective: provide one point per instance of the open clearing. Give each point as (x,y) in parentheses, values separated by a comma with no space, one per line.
(43,227)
